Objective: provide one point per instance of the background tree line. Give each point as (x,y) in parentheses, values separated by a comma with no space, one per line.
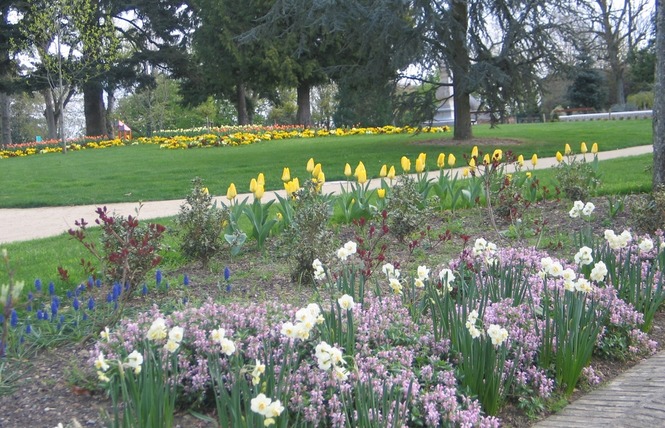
(181,63)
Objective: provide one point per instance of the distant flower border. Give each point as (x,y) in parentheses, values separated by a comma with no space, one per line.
(213,137)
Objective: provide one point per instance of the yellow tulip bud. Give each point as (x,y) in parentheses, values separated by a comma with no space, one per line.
(391,172)
(465,172)
(406,164)
(384,171)
(520,160)
(451,160)
(279,216)
(259,191)
(359,168)
(261,179)
(559,157)
(310,165)
(509,177)
(296,184)
(286,174)
(566,149)
(534,159)
(441,160)
(497,155)
(423,158)
(205,191)
(583,148)
(361,175)
(231,192)
(486,159)
(472,162)
(347,170)
(420,166)
(528,174)
(594,148)
(321,177)
(381,193)
(252,185)
(474,152)
(317,170)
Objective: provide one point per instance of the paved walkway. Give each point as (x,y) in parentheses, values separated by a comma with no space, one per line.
(634,399)
(33,223)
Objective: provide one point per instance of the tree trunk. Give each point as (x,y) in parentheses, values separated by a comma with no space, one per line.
(460,66)
(5,119)
(304,114)
(659,101)
(50,115)
(93,107)
(241,105)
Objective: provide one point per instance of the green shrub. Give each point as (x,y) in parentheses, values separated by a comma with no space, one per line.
(406,207)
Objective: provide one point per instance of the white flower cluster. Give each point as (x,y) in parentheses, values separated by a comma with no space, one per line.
(306,319)
(580,207)
(550,267)
(598,272)
(484,249)
(497,334)
(259,369)
(219,336)
(347,250)
(389,270)
(319,271)
(264,406)
(447,277)
(330,357)
(583,256)
(157,331)
(134,361)
(582,285)
(617,242)
(646,245)
(346,302)
(471,324)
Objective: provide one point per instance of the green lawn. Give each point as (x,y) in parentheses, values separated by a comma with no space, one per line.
(133,173)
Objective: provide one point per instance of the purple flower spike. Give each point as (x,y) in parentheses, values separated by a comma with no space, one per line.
(91,304)
(51,288)
(144,291)
(185,280)
(13,319)
(75,304)
(227,273)
(158,277)
(28,329)
(38,285)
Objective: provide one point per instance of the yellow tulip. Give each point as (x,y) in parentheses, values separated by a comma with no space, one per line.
(252,185)
(361,175)
(465,172)
(559,157)
(486,159)
(534,159)
(286,174)
(347,170)
(406,164)
(594,148)
(497,155)
(384,171)
(472,162)
(259,191)
(451,160)
(509,177)
(296,183)
(420,166)
(310,165)
(317,170)
(566,149)
(321,178)
(231,192)
(528,174)
(441,160)
(474,152)
(583,148)
(391,172)
(261,179)
(381,193)
(359,168)
(279,216)
(423,158)
(205,191)
(520,160)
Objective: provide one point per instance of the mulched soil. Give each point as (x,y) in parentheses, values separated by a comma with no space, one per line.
(53,385)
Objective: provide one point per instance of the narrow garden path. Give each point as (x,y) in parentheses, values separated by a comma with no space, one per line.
(23,224)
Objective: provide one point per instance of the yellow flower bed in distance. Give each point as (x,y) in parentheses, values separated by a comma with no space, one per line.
(214,137)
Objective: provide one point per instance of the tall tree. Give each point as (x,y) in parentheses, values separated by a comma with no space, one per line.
(659,100)
(616,28)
